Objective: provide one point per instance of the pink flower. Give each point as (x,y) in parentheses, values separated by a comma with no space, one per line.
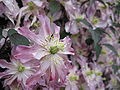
(15,70)
(72,77)
(11,9)
(49,49)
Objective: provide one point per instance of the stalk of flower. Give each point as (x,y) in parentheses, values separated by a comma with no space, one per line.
(17,71)
(49,48)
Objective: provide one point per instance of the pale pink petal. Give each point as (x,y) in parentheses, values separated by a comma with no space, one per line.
(2,74)
(29,34)
(45,22)
(40,53)
(10,80)
(71,27)
(53,71)
(38,3)
(74,87)
(33,79)
(56,31)
(68,87)
(61,71)
(5,64)
(68,49)
(45,64)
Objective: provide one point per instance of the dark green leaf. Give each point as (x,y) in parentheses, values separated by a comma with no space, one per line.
(112,29)
(89,41)
(18,39)
(101,31)
(116,24)
(62,88)
(119,40)
(1,36)
(102,1)
(95,36)
(111,48)
(1,32)
(11,31)
(98,50)
(84,21)
(115,68)
(54,6)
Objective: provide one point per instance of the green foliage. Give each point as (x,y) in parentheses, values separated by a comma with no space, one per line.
(1,36)
(18,39)
(89,41)
(115,68)
(54,7)
(84,21)
(98,50)
(11,31)
(111,48)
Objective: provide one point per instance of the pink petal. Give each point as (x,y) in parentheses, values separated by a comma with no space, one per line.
(71,27)
(53,71)
(45,64)
(5,64)
(10,80)
(40,53)
(45,22)
(2,74)
(33,79)
(68,49)
(56,31)
(29,34)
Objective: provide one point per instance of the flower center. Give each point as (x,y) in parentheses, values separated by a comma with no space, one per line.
(95,20)
(31,5)
(73,77)
(21,68)
(54,49)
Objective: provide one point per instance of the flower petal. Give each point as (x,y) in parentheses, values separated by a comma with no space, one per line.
(5,64)
(29,34)
(45,22)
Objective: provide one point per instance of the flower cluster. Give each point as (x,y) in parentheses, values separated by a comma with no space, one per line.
(60,44)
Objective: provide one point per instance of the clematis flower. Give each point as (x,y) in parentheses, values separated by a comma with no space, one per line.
(92,77)
(11,9)
(17,71)
(49,49)
(72,77)
(31,7)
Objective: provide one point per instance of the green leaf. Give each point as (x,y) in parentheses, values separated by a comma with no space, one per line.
(11,31)
(115,68)
(54,6)
(101,31)
(98,50)
(1,32)
(116,25)
(18,39)
(102,1)
(113,30)
(119,40)
(84,21)
(111,48)
(89,41)
(62,88)
(95,36)
(1,36)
